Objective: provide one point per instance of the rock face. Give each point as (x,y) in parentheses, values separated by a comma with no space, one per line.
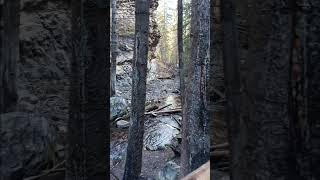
(170,171)
(118,107)
(43,69)
(26,140)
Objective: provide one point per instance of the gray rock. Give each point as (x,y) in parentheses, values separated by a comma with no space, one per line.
(170,171)
(125,47)
(26,140)
(123,124)
(160,133)
(117,152)
(118,107)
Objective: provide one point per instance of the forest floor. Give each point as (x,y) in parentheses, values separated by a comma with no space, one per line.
(160,129)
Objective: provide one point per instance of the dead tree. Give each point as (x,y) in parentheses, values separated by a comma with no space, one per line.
(263,137)
(114,48)
(195,141)
(87,155)
(232,79)
(180,47)
(9,54)
(135,141)
(311,129)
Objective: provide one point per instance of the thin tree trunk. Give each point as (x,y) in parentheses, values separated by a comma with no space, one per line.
(9,54)
(135,142)
(232,81)
(195,141)
(87,153)
(114,48)
(180,47)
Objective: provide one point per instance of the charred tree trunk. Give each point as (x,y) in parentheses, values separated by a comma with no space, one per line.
(263,153)
(180,47)
(311,157)
(10,21)
(114,48)
(87,155)
(140,60)
(195,141)
(232,81)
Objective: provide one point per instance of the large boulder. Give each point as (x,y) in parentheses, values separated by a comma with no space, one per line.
(160,133)
(26,143)
(118,107)
(170,171)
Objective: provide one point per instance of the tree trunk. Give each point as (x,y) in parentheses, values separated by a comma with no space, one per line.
(87,155)
(311,56)
(9,54)
(180,47)
(232,81)
(135,142)
(114,48)
(195,141)
(263,153)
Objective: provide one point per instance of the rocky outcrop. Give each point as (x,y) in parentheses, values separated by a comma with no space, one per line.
(126,19)
(27,145)
(43,69)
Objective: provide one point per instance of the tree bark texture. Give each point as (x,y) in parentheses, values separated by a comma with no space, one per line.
(264,138)
(87,151)
(311,57)
(140,60)
(114,48)
(180,47)
(232,80)
(10,21)
(195,141)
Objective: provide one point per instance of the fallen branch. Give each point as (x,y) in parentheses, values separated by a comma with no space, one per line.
(160,108)
(46,172)
(177,121)
(161,112)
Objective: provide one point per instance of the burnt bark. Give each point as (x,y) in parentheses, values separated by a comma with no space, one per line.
(180,47)
(87,153)
(114,48)
(10,21)
(140,60)
(265,136)
(311,132)
(195,141)
(232,81)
